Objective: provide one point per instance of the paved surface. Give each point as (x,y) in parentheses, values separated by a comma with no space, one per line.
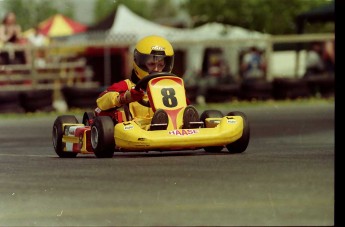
(285,178)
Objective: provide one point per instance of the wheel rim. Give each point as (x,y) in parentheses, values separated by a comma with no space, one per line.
(94,137)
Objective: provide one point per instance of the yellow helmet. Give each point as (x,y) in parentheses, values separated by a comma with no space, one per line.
(152,47)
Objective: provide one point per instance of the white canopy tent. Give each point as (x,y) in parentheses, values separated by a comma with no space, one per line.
(231,38)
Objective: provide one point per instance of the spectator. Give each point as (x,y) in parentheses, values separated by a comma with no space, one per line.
(37,39)
(253,65)
(215,72)
(314,62)
(11,33)
(329,57)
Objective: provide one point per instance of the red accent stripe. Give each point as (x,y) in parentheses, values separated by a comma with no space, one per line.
(156,80)
(173,115)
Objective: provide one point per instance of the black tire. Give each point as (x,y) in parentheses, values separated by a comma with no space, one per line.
(37,105)
(321,85)
(102,137)
(79,97)
(37,100)
(223,92)
(256,89)
(11,108)
(10,102)
(89,103)
(290,88)
(190,115)
(58,132)
(87,117)
(241,144)
(9,97)
(208,114)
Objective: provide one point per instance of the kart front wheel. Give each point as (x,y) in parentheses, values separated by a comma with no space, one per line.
(58,132)
(88,118)
(211,114)
(241,144)
(102,137)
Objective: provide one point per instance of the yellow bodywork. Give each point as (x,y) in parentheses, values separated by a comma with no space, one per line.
(135,135)
(130,136)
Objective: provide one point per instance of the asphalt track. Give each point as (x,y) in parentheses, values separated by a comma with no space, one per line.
(285,177)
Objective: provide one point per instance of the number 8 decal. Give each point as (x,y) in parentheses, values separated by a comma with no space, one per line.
(169,99)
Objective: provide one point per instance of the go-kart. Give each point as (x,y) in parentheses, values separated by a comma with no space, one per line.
(174,126)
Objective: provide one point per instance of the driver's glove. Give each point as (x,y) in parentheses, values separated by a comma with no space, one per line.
(131,96)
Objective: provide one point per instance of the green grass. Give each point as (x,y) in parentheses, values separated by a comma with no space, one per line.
(272,102)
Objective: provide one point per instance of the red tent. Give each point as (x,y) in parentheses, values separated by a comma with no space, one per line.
(60,25)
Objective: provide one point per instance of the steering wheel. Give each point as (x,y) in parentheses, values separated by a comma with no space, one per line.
(142,84)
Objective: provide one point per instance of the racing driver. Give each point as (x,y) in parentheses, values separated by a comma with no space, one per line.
(151,54)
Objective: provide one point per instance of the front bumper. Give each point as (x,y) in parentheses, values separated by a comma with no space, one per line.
(129,136)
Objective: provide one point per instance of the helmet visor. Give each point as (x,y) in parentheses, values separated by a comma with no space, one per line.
(154,62)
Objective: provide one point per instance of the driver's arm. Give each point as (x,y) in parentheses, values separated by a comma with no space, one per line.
(118,94)
(110,97)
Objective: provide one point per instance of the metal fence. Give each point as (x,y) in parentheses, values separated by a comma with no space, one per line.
(60,63)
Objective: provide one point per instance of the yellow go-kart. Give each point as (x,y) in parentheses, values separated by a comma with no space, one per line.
(174,126)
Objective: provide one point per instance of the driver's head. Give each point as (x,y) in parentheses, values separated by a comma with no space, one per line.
(153,54)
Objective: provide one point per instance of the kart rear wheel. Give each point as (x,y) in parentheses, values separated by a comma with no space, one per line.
(58,132)
(212,114)
(241,144)
(87,117)
(102,137)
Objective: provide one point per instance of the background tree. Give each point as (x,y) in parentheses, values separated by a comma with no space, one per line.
(158,10)
(105,7)
(102,9)
(37,11)
(270,16)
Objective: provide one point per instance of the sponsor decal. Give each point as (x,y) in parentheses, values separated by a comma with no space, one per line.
(158,48)
(98,110)
(128,127)
(183,132)
(72,130)
(231,121)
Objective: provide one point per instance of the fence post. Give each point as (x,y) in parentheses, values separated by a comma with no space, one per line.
(107,68)
(33,69)
(269,60)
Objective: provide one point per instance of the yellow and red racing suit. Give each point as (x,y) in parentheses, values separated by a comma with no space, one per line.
(109,101)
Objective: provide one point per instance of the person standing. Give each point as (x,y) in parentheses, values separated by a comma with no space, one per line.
(253,65)
(38,40)
(11,33)
(314,61)
(329,57)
